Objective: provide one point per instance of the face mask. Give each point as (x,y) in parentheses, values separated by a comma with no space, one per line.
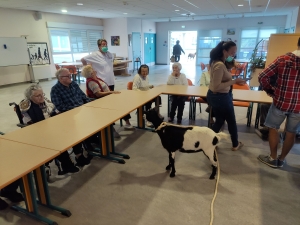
(104,49)
(229,59)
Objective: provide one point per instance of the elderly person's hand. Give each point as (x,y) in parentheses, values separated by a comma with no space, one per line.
(240,81)
(115,92)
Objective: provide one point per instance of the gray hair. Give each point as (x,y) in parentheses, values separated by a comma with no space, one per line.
(30,89)
(178,65)
(87,71)
(60,71)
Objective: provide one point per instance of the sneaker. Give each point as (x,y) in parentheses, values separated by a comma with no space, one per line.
(13,196)
(128,127)
(238,147)
(149,124)
(171,120)
(81,161)
(279,162)
(71,169)
(268,160)
(3,204)
(116,135)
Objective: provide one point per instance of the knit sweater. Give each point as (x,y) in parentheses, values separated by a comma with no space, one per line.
(220,78)
(140,83)
(181,80)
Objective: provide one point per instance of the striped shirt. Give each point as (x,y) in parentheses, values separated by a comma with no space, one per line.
(286,92)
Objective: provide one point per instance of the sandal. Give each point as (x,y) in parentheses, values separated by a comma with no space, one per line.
(238,147)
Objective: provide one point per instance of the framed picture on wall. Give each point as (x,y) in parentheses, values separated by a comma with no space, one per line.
(38,53)
(231,31)
(115,40)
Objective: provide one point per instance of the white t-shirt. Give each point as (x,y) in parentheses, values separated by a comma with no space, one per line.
(103,64)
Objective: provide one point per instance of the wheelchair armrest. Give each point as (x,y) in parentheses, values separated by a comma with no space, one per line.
(12,103)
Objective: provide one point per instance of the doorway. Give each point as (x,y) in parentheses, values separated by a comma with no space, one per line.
(188,42)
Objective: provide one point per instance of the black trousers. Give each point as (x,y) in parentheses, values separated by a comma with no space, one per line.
(12,187)
(177,102)
(77,149)
(148,104)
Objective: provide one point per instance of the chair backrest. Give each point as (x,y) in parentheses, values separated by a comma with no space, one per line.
(202,66)
(190,82)
(241,87)
(129,85)
(72,69)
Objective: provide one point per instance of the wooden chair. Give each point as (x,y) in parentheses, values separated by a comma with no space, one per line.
(73,70)
(249,105)
(129,85)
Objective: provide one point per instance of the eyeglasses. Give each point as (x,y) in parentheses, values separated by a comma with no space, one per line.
(68,76)
(39,96)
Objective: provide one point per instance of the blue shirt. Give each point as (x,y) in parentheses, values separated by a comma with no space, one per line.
(65,98)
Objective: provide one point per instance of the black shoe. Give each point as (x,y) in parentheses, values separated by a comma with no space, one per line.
(178,122)
(3,204)
(13,196)
(70,169)
(82,161)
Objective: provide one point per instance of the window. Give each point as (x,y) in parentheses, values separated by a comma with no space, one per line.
(249,39)
(70,45)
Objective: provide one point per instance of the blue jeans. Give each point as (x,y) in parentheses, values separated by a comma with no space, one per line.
(275,118)
(223,109)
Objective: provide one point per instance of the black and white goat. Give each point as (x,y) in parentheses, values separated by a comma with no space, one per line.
(187,139)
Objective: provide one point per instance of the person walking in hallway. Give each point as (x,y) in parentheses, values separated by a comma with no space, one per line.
(177,51)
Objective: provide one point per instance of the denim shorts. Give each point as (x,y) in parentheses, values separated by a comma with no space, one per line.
(275,118)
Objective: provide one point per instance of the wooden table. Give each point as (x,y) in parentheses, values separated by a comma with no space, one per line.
(127,101)
(17,161)
(83,121)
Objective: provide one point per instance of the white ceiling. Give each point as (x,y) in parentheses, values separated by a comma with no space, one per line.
(158,10)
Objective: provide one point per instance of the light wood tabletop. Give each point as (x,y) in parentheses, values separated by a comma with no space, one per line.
(197,91)
(127,100)
(19,159)
(67,129)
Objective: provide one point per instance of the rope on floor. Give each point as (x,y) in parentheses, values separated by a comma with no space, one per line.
(216,191)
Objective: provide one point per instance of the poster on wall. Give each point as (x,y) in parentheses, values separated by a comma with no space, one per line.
(231,31)
(115,40)
(38,52)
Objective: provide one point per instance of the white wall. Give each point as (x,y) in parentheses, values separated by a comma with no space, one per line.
(162,29)
(116,27)
(14,23)
(293,20)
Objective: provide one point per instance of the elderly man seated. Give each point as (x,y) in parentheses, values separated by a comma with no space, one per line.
(67,95)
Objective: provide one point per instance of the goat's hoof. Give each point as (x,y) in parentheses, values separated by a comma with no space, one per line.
(172,174)
(168,167)
(212,177)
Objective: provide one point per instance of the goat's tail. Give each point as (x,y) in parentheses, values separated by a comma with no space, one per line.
(222,135)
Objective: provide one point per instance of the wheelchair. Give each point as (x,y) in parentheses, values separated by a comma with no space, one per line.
(21,125)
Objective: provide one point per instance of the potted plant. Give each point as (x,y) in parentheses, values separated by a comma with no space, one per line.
(255,60)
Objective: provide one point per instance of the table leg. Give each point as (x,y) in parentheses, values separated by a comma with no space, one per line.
(107,143)
(43,192)
(140,120)
(257,115)
(31,210)
(112,144)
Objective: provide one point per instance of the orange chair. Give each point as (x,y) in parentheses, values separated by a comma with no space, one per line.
(241,69)
(129,85)
(249,105)
(202,66)
(57,66)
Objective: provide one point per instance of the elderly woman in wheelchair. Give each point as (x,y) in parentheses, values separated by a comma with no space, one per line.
(34,108)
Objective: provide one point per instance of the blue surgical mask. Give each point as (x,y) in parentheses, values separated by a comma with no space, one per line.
(229,59)
(104,49)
